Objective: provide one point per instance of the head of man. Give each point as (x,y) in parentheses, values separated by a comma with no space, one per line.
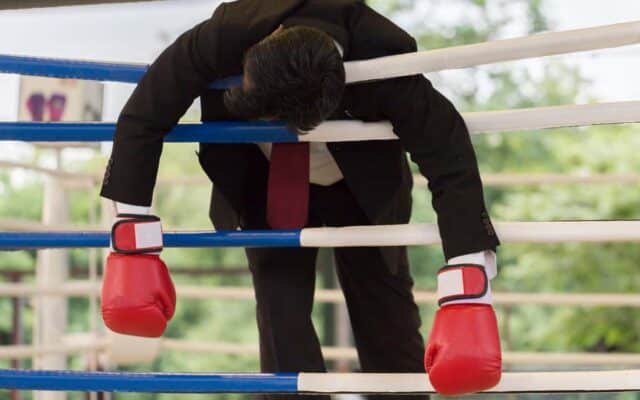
(295,75)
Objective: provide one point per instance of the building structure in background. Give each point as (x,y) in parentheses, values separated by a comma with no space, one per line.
(56,100)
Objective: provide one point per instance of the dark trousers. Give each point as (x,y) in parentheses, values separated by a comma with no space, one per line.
(383,313)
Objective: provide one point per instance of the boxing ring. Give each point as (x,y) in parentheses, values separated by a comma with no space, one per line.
(225,132)
(309,383)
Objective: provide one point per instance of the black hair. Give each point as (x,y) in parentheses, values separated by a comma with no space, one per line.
(296,76)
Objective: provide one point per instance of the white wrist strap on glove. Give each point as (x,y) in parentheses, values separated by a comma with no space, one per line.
(124,208)
(485,258)
(463,284)
(135,232)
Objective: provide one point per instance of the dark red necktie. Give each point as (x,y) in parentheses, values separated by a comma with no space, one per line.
(288,188)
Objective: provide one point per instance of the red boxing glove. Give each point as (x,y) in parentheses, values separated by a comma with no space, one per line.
(138,297)
(463,354)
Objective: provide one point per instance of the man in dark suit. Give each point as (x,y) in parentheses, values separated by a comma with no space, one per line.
(291,53)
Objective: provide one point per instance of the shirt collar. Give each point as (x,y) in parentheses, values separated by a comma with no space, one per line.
(340,49)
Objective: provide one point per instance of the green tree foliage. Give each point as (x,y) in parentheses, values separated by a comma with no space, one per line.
(606,268)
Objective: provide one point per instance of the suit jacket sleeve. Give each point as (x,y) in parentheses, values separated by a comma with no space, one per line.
(430,129)
(163,95)
(437,139)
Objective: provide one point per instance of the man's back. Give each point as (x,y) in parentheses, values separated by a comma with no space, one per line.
(427,124)
(362,33)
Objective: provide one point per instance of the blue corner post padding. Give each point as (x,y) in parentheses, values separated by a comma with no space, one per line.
(148,382)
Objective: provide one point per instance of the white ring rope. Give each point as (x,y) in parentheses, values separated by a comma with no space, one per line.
(25,225)
(350,353)
(557,179)
(84,289)
(517,382)
(553,117)
(27,351)
(505,179)
(492,121)
(426,234)
(509,232)
(540,45)
(49,171)
(329,352)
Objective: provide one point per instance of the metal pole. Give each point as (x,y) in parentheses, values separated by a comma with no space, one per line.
(108,215)
(52,270)
(17,328)
(94,255)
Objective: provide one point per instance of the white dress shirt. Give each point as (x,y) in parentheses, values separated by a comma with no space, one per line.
(485,258)
(323,169)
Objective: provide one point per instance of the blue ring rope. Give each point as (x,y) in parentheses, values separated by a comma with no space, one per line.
(207,132)
(87,70)
(148,382)
(51,240)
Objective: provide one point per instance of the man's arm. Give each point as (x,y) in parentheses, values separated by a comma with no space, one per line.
(138,296)
(163,95)
(464,342)
(436,137)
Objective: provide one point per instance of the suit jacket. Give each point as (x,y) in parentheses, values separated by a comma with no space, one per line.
(377,172)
